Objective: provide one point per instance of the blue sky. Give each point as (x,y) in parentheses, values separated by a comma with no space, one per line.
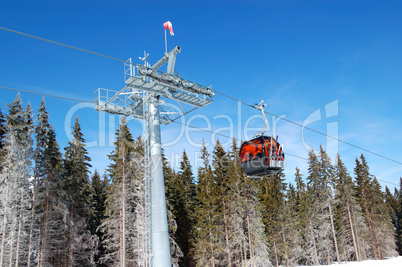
(334,66)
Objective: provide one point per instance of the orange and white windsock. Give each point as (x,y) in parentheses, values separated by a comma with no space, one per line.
(168,25)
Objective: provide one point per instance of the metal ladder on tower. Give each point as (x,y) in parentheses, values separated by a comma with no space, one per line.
(147,185)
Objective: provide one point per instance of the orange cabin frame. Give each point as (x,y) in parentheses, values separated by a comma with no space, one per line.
(250,149)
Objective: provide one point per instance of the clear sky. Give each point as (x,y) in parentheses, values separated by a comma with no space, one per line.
(333,66)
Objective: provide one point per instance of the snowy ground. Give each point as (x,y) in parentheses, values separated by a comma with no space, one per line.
(392,262)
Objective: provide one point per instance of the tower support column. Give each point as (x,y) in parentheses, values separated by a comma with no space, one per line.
(159,223)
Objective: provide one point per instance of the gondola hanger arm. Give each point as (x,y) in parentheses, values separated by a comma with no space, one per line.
(261,106)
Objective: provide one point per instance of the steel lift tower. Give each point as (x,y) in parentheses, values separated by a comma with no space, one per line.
(146,96)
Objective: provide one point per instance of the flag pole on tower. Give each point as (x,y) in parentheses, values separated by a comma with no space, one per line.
(167,25)
(165,43)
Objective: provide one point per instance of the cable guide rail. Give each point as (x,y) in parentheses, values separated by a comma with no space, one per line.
(142,79)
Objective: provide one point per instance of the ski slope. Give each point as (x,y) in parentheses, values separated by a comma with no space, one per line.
(392,262)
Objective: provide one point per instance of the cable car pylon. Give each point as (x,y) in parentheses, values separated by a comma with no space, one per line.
(262,155)
(145,97)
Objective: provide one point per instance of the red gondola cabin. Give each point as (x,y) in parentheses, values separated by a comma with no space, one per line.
(262,156)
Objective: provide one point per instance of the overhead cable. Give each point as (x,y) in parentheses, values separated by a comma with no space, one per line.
(201,129)
(58,43)
(225,95)
(42,94)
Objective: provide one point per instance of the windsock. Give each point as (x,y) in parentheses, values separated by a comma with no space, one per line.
(168,25)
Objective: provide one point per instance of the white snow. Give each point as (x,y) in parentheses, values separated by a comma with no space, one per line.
(391,262)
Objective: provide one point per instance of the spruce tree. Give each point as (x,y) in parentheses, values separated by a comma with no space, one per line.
(273,190)
(184,204)
(293,230)
(172,199)
(220,167)
(138,201)
(300,189)
(364,197)
(49,203)
(2,139)
(311,212)
(15,185)
(306,215)
(207,230)
(99,188)
(4,182)
(351,225)
(320,232)
(24,190)
(303,211)
(251,240)
(125,225)
(2,130)
(81,243)
(327,174)
(385,232)
(231,210)
(392,201)
(371,200)
(399,211)
(117,211)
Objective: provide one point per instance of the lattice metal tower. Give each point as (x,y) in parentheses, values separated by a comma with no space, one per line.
(146,96)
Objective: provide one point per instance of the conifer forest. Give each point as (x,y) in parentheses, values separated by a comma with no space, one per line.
(55,212)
